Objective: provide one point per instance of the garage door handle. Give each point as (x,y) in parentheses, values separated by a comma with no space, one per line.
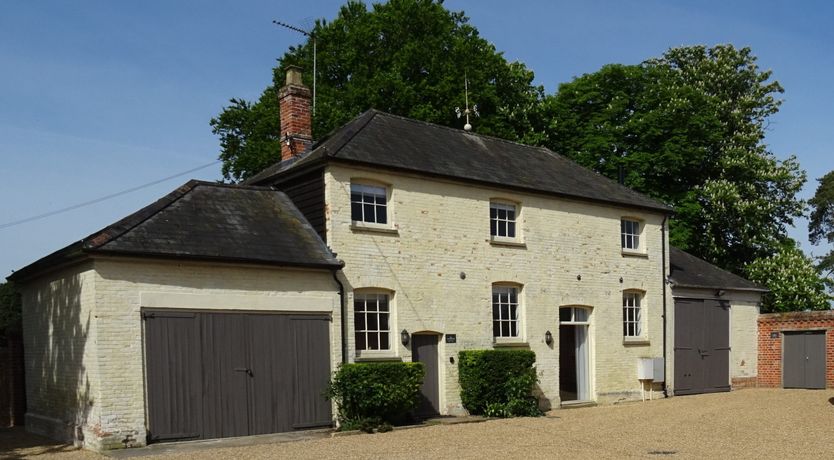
(244,369)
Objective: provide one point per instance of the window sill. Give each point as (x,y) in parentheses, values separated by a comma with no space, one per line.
(636,341)
(375,228)
(376,355)
(633,253)
(504,241)
(509,342)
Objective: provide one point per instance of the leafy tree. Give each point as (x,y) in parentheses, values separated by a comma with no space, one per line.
(10,310)
(688,129)
(821,224)
(792,279)
(407,57)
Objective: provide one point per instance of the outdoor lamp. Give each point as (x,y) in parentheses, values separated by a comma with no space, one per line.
(404,337)
(548,338)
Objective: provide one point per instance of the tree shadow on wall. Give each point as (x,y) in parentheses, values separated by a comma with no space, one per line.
(56,335)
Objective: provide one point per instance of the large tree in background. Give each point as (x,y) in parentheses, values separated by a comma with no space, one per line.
(792,279)
(688,128)
(405,57)
(821,224)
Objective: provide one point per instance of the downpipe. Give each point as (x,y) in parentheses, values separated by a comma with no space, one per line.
(663,286)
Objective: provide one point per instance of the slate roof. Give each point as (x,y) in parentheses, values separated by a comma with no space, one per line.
(383,140)
(207,221)
(692,272)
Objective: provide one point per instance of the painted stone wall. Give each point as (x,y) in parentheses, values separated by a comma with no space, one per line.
(86,327)
(436,256)
(744,313)
(61,366)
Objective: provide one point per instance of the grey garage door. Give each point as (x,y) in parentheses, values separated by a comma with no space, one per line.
(803,359)
(702,346)
(214,375)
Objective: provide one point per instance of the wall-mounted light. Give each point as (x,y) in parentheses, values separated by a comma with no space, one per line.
(719,293)
(548,338)
(404,337)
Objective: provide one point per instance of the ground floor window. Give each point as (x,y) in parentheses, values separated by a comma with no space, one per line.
(631,314)
(505,314)
(371,315)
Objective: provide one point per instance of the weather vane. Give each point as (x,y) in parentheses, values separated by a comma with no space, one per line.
(466,111)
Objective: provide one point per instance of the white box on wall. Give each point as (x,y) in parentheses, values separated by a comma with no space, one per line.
(650,369)
(659,368)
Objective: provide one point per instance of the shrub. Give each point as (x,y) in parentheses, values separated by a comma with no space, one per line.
(498,383)
(370,395)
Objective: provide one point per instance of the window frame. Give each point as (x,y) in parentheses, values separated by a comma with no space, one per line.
(638,236)
(637,318)
(386,195)
(511,288)
(573,321)
(515,223)
(392,338)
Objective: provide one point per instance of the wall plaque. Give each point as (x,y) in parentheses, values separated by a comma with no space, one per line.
(451,338)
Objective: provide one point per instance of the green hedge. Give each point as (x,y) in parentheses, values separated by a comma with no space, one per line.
(373,394)
(498,383)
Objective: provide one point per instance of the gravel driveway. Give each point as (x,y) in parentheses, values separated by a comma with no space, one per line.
(743,424)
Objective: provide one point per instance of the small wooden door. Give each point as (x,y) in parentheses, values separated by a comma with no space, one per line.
(424,349)
(803,360)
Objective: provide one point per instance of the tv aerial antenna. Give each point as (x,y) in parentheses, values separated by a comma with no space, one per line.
(312,36)
(466,110)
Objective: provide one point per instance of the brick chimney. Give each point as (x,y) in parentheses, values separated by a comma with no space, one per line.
(296,117)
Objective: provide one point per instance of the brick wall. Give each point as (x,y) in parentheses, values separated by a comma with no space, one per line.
(770,348)
(83,331)
(570,255)
(59,335)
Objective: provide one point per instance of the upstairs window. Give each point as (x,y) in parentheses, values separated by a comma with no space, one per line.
(368,203)
(505,314)
(631,314)
(502,220)
(630,234)
(371,321)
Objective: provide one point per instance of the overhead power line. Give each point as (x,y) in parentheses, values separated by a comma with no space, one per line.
(104,198)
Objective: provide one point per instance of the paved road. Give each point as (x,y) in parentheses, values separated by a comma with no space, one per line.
(751,423)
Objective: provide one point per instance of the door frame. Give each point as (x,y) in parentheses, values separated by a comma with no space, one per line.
(591,383)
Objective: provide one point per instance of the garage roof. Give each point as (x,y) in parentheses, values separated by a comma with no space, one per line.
(206,221)
(384,140)
(692,272)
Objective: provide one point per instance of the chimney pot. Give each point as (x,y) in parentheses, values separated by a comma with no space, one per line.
(294,76)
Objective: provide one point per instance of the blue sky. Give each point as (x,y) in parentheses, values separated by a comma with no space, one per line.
(101,96)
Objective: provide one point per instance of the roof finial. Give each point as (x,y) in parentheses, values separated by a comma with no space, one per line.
(466,111)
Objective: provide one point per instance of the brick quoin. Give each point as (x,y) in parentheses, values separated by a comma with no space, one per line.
(770,349)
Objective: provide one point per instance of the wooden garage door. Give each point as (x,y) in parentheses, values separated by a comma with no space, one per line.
(702,346)
(803,360)
(214,375)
